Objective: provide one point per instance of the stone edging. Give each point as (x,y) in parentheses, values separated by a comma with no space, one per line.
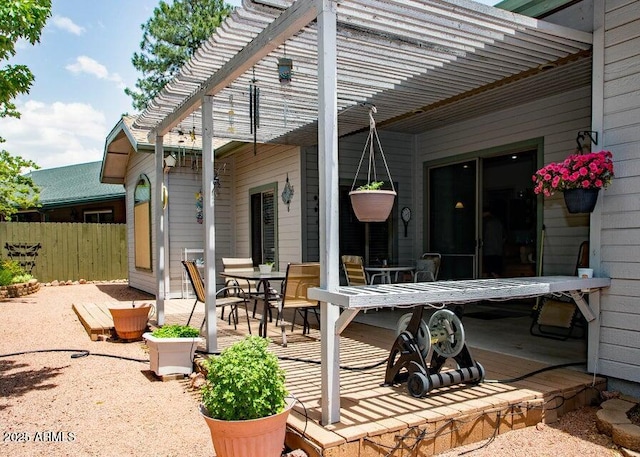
(612,420)
(20,289)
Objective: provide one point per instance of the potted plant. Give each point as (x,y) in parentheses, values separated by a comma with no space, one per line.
(131,322)
(171,349)
(370,202)
(580,177)
(244,400)
(265,267)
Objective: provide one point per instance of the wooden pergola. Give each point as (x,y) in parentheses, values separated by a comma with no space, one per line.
(405,57)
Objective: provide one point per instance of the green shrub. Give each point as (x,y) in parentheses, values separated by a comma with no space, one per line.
(244,382)
(12,273)
(12,266)
(176,331)
(6,277)
(21,278)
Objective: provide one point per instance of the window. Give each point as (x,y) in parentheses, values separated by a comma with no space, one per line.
(101,216)
(264,223)
(142,223)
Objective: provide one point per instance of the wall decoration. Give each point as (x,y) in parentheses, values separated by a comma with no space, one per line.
(199,206)
(287,193)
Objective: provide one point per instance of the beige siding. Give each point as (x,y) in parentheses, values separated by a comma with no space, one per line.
(184,231)
(556,119)
(620,237)
(271,164)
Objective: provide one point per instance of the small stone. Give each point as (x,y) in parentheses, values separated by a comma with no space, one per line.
(540,426)
(609,394)
(82,281)
(627,435)
(55,282)
(617,404)
(296,453)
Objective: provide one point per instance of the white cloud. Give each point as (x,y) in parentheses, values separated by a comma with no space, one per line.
(54,135)
(84,64)
(66,24)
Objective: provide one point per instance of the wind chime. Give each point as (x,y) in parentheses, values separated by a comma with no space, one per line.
(254,110)
(285,67)
(192,135)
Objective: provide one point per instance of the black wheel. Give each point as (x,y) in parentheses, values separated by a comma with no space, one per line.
(417,384)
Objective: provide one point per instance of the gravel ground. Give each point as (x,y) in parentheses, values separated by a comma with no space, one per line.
(54,405)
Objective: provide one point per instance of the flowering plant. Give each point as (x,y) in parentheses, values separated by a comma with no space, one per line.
(578,171)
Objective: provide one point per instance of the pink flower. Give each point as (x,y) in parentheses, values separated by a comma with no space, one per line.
(577,171)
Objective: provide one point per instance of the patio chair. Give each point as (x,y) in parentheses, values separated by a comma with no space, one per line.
(560,319)
(227,296)
(240,264)
(428,267)
(353,267)
(299,277)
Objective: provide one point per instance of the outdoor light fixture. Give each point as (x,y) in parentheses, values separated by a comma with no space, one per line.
(169,162)
(285,65)
(459,205)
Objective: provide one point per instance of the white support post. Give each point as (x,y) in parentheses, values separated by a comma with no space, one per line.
(328,172)
(211,329)
(595,221)
(160,229)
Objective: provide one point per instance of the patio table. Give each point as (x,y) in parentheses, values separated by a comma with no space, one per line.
(264,279)
(355,298)
(386,271)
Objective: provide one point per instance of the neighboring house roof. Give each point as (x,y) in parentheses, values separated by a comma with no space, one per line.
(534,8)
(74,184)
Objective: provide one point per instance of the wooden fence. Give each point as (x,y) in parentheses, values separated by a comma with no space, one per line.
(71,251)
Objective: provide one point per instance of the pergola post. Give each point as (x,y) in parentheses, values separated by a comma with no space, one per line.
(160,229)
(329,214)
(211,330)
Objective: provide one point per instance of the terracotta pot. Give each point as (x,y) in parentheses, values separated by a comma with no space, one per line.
(131,323)
(171,355)
(262,437)
(581,200)
(372,205)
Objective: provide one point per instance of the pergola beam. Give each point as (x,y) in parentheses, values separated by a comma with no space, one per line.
(290,22)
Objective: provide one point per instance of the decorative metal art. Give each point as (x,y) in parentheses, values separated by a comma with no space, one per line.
(287,193)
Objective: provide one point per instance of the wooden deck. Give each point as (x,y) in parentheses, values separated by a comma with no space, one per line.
(386,421)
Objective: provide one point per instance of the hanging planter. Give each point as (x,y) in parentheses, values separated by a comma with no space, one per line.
(581,200)
(370,202)
(580,177)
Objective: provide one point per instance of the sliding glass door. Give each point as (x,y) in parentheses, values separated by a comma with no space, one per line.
(452,218)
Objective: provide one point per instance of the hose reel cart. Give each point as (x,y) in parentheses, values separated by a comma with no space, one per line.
(420,351)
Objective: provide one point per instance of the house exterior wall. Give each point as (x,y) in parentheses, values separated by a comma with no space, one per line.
(183,182)
(398,150)
(556,119)
(185,232)
(272,163)
(620,216)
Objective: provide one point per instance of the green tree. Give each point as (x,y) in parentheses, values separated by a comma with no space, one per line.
(19,19)
(169,39)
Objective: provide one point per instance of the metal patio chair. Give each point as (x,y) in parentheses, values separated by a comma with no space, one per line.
(428,267)
(299,278)
(231,296)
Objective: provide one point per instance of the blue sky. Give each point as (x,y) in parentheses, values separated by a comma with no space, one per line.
(81,65)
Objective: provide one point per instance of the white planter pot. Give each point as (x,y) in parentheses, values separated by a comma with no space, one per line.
(264,268)
(171,355)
